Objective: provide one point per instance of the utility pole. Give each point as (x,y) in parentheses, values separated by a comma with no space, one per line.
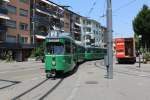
(109,40)
(33,22)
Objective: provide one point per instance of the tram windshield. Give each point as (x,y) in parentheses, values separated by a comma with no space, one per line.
(55,48)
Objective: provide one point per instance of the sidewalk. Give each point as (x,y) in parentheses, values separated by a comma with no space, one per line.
(129,83)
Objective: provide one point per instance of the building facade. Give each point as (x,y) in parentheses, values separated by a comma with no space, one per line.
(67,21)
(104,32)
(92,34)
(3,17)
(75,26)
(48,16)
(16,40)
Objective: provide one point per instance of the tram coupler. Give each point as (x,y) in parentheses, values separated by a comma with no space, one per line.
(53,74)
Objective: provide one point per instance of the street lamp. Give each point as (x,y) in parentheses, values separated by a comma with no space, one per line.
(140,36)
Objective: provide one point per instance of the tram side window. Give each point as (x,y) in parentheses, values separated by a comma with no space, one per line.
(67,47)
(88,50)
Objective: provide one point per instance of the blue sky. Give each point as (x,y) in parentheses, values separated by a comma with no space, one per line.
(123,12)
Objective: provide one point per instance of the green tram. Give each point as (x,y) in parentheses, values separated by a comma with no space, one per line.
(59,55)
(62,54)
(93,53)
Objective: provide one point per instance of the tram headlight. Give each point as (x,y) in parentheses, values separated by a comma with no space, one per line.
(53,63)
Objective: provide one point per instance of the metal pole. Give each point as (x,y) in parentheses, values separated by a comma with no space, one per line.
(109,40)
(139,60)
(33,21)
(140,50)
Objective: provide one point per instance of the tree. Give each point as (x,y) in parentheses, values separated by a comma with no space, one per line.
(141,25)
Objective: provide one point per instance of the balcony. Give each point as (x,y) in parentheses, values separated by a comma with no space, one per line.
(3,28)
(3,10)
(50,12)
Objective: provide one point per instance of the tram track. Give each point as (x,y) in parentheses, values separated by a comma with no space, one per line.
(39,85)
(29,90)
(12,83)
(51,90)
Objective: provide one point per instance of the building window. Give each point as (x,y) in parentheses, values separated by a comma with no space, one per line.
(23,26)
(88,22)
(24,1)
(24,40)
(88,29)
(11,23)
(11,39)
(11,9)
(23,12)
(84,22)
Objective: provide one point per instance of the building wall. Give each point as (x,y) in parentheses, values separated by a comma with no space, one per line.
(75,26)
(104,33)
(66,21)
(3,17)
(19,19)
(48,16)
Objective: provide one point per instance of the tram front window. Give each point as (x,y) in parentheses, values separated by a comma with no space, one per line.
(55,48)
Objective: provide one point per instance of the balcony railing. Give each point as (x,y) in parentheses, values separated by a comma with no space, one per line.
(3,10)
(3,28)
(49,11)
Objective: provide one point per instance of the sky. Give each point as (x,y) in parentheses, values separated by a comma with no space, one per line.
(124,11)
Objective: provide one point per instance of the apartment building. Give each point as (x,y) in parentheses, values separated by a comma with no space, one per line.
(92,35)
(46,16)
(3,18)
(67,21)
(16,38)
(75,26)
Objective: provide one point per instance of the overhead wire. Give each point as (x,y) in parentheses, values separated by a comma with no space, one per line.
(124,6)
(104,9)
(92,8)
(121,7)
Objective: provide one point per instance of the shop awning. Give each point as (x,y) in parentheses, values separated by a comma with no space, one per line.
(4,16)
(6,0)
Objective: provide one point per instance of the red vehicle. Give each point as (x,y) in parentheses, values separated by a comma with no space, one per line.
(125,50)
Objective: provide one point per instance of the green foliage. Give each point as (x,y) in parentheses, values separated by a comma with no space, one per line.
(141,23)
(39,52)
(9,57)
(136,41)
(146,56)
